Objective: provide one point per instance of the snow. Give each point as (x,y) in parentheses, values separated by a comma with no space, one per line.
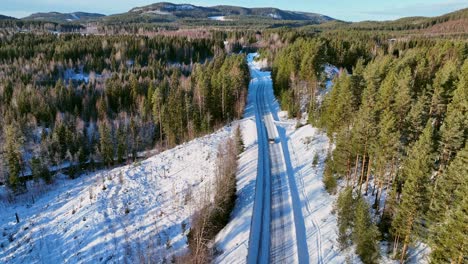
(330,72)
(316,204)
(275,16)
(219,18)
(260,63)
(233,240)
(80,75)
(157,12)
(70,74)
(134,212)
(185,7)
(179,7)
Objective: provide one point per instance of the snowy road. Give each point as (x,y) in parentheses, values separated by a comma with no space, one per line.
(277,229)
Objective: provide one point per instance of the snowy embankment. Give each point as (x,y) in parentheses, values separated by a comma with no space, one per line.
(316,203)
(135,213)
(233,240)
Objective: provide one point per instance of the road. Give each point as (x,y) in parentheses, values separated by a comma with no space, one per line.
(277,229)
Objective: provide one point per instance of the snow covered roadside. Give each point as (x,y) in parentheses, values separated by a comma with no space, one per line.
(317,205)
(132,213)
(233,240)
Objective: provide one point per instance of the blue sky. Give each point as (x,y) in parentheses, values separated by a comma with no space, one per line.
(356,10)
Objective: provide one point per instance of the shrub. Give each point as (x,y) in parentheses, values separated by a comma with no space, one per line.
(212,217)
(315,161)
(329,179)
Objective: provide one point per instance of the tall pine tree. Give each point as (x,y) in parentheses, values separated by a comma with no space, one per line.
(416,174)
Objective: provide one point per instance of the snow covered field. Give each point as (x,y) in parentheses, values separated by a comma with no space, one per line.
(128,214)
(219,18)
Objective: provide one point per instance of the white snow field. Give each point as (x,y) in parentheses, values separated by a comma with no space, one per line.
(218,18)
(300,226)
(131,214)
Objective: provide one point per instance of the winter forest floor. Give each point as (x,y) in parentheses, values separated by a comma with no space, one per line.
(125,215)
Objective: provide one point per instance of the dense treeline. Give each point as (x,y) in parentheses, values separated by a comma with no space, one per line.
(78,100)
(32,25)
(403,25)
(297,68)
(398,116)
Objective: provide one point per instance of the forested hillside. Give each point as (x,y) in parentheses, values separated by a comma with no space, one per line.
(398,117)
(387,129)
(63,17)
(94,100)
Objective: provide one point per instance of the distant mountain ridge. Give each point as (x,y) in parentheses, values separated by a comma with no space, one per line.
(174,16)
(63,17)
(193,11)
(2,17)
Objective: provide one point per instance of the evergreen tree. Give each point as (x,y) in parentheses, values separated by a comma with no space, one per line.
(453,187)
(358,83)
(365,233)
(106,144)
(12,149)
(157,102)
(338,105)
(403,97)
(450,240)
(416,173)
(416,119)
(121,144)
(342,155)
(454,130)
(239,141)
(40,171)
(329,179)
(444,84)
(345,210)
(386,150)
